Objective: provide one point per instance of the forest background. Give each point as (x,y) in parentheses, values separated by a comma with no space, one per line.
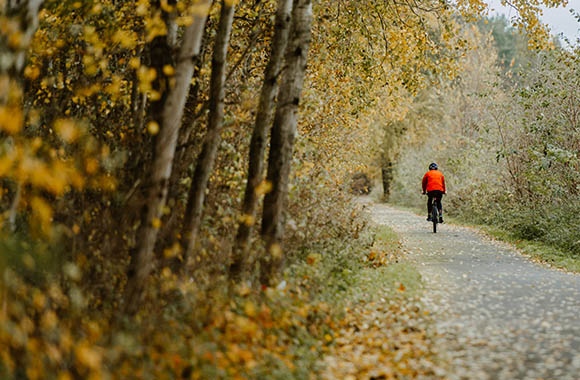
(135,156)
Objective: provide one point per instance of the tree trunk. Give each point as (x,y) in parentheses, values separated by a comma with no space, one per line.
(259,135)
(141,260)
(12,62)
(206,159)
(25,12)
(387,172)
(282,140)
(190,123)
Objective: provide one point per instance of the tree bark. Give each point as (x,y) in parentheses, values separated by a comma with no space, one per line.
(282,140)
(142,259)
(206,159)
(387,174)
(25,12)
(190,122)
(259,135)
(14,207)
(12,62)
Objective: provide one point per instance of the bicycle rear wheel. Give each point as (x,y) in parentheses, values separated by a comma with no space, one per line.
(435,217)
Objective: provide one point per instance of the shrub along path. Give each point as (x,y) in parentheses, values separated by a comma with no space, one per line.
(497,314)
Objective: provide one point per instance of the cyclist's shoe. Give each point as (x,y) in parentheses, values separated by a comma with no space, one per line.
(429,219)
(440,219)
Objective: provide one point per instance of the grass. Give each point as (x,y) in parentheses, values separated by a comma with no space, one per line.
(344,273)
(400,272)
(372,282)
(536,250)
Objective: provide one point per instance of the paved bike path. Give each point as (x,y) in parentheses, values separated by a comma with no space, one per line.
(498,315)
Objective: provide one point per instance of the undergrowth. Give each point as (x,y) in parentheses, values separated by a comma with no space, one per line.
(52,330)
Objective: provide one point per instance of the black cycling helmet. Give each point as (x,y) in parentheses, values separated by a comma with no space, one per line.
(433,166)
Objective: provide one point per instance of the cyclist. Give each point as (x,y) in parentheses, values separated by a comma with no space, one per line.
(434,187)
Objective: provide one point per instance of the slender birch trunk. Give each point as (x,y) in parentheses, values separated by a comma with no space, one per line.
(142,259)
(26,13)
(206,159)
(259,135)
(282,140)
(184,146)
(14,207)
(12,62)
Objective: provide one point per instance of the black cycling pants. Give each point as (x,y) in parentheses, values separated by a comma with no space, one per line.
(437,195)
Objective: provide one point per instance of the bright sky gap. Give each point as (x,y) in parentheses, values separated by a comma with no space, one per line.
(560,20)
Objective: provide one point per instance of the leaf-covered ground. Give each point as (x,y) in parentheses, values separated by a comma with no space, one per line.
(386,338)
(385,332)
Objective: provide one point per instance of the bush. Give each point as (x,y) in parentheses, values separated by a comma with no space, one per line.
(360,184)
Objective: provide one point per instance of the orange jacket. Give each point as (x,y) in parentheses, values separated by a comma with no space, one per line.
(433,180)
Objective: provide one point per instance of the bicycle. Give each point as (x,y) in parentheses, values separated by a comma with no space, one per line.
(434,214)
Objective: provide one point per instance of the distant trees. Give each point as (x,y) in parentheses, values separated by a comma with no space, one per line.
(511,44)
(546,148)
(510,152)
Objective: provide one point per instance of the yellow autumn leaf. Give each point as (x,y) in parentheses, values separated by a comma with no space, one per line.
(166,7)
(250,308)
(166,272)
(134,63)
(6,164)
(49,320)
(245,325)
(11,119)
(42,212)
(153,128)
(88,356)
(67,130)
(276,251)
(91,165)
(65,376)
(264,187)
(31,72)
(127,39)
(168,70)
(246,219)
